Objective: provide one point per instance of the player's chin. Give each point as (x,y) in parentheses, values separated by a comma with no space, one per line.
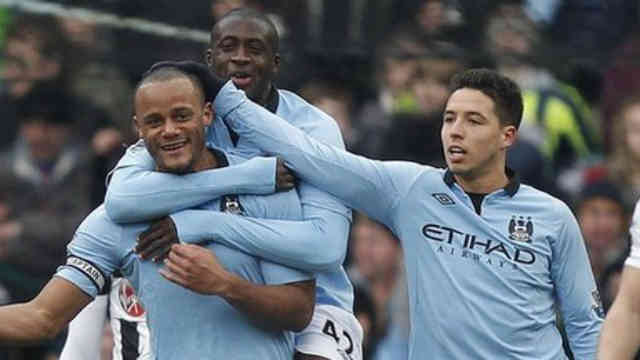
(175,166)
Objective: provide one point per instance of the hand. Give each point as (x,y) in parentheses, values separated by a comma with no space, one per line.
(285,180)
(106,140)
(197,269)
(8,230)
(156,241)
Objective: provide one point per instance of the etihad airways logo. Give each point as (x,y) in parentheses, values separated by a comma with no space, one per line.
(465,241)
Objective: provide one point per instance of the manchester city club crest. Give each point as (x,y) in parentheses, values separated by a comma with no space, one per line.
(521,229)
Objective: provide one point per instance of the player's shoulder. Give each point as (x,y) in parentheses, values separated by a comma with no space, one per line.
(99,224)
(542,203)
(301,113)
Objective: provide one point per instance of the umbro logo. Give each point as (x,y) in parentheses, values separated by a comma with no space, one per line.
(443,199)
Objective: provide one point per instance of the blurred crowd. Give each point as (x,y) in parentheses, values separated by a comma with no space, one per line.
(379,68)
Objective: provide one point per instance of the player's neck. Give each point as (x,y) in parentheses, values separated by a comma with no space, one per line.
(207,161)
(485,183)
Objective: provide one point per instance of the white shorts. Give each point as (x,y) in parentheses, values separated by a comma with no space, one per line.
(333,333)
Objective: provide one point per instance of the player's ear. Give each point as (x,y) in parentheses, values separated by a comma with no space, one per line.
(208,57)
(208,114)
(134,125)
(276,63)
(509,136)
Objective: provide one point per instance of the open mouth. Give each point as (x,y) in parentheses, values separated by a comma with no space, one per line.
(241,79)
(456,153)
(174,145)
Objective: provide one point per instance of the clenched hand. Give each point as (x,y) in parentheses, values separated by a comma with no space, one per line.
(155,242)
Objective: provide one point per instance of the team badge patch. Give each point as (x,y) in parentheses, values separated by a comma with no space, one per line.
(521,229)
(231,205)
(443,199)
(129,300)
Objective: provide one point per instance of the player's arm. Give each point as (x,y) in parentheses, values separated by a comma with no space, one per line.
(43,317)
(134,182)
(373,187)
(620,338)
(284,306)
(84,338)
(576,290)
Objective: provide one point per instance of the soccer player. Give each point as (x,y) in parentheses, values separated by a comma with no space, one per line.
(256,303)
(244,49)
(489,260)
(620,337)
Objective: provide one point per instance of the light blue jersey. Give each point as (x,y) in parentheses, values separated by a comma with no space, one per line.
(292,243)
(480,286)
(184,324)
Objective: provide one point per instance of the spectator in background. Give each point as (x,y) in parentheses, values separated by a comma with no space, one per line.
(603,220)
(34,52)
(334,100)
(44,184)
(558,120)
(377,268)
(365,311)
(396,63)
(414,134)
(623,164)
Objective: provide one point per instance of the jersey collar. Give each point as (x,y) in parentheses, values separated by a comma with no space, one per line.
(511,188)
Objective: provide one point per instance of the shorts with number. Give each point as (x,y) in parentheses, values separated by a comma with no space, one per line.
(333,333)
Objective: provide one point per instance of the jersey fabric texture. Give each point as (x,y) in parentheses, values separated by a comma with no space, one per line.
(277,241)
(184,324)
(480,286)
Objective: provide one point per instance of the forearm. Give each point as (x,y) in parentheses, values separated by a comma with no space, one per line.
(291,243)
(164,193)
(274,307)
(22,324)
(620,338)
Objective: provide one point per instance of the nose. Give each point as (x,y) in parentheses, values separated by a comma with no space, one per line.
(455,129)
(241,55)
(170,129)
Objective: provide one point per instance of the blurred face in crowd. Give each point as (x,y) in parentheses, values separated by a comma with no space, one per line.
(25,64)
(242,50)
(431,16)
(170,116)
(338,109)
(220,8)
(603,223)
(45,139)
(376,251)
(398,73)
(631,119)
(431,83)
(473,138)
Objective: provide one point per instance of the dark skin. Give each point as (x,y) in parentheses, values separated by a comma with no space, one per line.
(242,49)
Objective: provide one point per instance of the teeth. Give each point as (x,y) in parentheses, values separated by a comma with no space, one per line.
(173,146)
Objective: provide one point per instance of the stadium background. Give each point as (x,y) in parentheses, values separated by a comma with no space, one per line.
(379,67)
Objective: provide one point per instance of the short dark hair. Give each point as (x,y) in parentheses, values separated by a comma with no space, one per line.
(504,92)
(45,103)
(166,73)
(255,15)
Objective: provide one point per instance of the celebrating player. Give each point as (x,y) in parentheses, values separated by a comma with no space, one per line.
(256,303)
(489,260)
(244,48)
